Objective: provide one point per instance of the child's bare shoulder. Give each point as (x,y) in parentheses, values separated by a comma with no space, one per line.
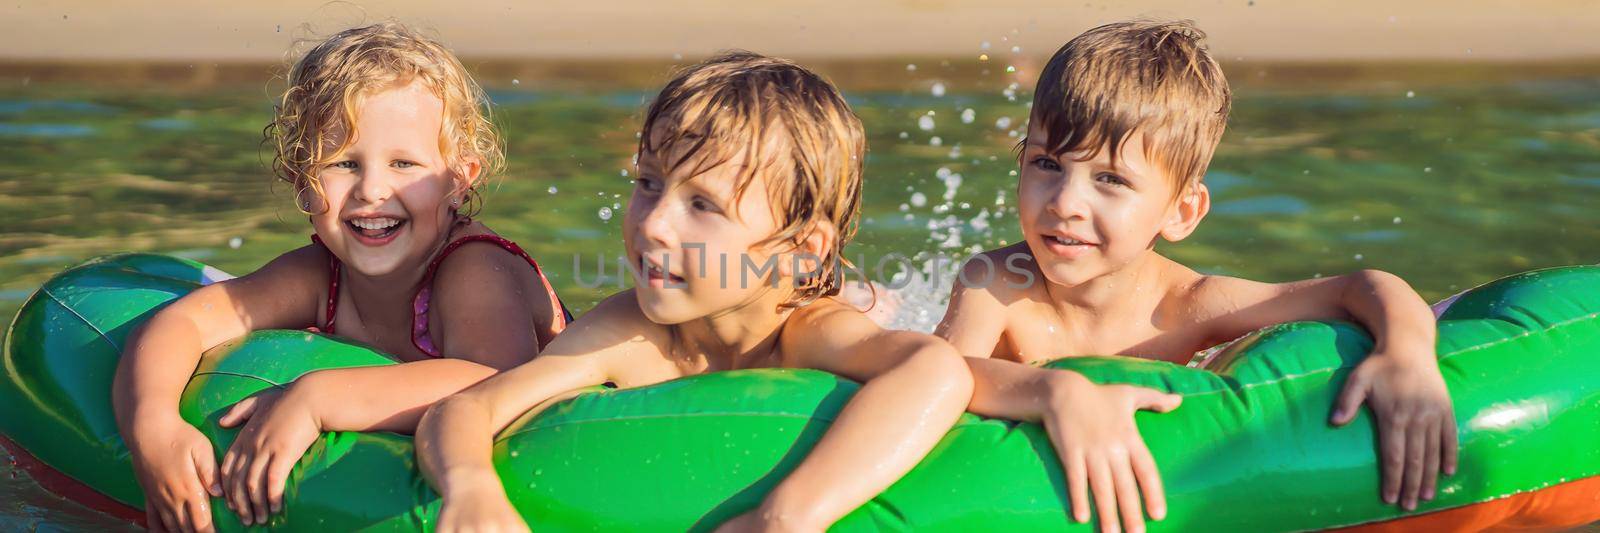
(480,269)
(615,321)
(304,270)
(1005,275)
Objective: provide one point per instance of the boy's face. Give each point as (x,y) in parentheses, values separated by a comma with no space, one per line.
(694,237)
(1083,219)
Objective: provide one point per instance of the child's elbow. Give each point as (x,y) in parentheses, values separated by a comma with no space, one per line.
(1372,277)
(940,368)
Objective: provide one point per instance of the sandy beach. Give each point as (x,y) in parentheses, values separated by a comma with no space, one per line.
(1258,30)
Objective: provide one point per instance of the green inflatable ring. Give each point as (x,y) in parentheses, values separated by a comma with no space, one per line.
(1249,449)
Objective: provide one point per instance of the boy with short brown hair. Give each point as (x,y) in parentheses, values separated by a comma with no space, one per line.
(1125,120)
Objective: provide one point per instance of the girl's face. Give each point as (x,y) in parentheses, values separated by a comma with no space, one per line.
(389,194)
(703,250)
(1085,218)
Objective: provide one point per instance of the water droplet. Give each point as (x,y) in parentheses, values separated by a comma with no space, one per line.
(1356,218)
(605,213)
(911,67)
(968,115)
(1016,49)
(1359,257)
(1002,123)
(551,190)
(1396,220)
(1411,94)
(984,46)
(904,135)
(918,199)
(983,57)
(1011,68)
(925,123)
(935,141)
(235,243)
(624,173)
(938,89)
(515,81)
(1427,169)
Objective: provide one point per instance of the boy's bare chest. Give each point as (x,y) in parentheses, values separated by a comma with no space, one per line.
(1038,337)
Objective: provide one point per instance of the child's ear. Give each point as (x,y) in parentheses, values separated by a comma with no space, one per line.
(310,201)
(466,176)
(812,246)
(1185,215)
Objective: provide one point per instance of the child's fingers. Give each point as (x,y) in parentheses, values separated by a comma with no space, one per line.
(238,495)
(153,517)
(171,519)
(1350,399)
(1127,495)
(277,477)
(256,477)
(199,515)
(1430,469)
(1149,478)
(1077,484)
(229,471)
(1416,458)
(239,413)
(206,466)
(1154,400)
(1393,446)
(1105,495)
(1449,444)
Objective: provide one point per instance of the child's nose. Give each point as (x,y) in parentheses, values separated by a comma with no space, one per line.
(1069,201)
(374,187)
(656,226)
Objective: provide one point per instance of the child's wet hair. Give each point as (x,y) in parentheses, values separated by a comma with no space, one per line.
(1154,78)
(786,121)
(328,83)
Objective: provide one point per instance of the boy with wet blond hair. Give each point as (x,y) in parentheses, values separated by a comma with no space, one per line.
(1125,120)
(743,159)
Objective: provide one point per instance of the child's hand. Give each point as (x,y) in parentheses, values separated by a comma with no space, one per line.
(1416,425)
(176,466)
(1092,429)
(482,507)
(278,428)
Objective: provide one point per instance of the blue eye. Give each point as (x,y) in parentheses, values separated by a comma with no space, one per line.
(1045,163)
(346,164)
(400,163)
(1112,179)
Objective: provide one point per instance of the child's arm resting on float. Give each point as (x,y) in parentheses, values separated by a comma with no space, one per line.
(1400,380)
(174,462)
(914,388)
(455,438)
(484,327)
(1090,426)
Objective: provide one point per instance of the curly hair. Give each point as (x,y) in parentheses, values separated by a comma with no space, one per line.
(329,82)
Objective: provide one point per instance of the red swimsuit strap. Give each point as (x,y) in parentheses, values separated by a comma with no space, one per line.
(422,302)
(333,285)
